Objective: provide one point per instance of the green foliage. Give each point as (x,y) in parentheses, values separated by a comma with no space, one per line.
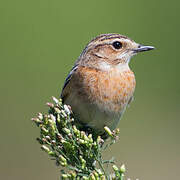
(75,151)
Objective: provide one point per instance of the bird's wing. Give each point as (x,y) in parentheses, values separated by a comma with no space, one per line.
(64,92)
(130,100)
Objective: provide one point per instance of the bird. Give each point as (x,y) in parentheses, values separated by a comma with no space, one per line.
(101,84)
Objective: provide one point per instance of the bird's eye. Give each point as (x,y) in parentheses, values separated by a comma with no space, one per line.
(117,45)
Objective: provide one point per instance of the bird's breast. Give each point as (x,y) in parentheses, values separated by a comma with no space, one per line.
(109,90)
(98,98)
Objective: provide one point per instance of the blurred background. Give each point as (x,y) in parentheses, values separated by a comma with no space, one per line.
(39,42)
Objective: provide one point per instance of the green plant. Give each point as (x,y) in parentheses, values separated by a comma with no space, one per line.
(77,153)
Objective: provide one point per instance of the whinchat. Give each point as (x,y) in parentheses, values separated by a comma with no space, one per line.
(101,85)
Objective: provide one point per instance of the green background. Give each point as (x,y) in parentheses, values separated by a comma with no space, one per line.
(39,42)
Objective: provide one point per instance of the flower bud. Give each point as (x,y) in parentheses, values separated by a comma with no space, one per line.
(44,129)
(64,113)
(51,105)
(66,130)
(40,116)
(92,177)
(55,100)
(53,118)
(45,148)
(115,168)
(108,131)
(57,110)
(65,176)
(67,109)
(122,169)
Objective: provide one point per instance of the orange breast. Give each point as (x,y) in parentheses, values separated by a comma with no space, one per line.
(110,90)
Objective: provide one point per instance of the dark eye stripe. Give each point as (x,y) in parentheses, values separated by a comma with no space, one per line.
(100,45)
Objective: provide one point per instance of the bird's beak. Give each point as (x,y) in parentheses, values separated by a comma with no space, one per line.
(142,48)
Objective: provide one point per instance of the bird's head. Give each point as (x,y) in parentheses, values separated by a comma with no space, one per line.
(110,50)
